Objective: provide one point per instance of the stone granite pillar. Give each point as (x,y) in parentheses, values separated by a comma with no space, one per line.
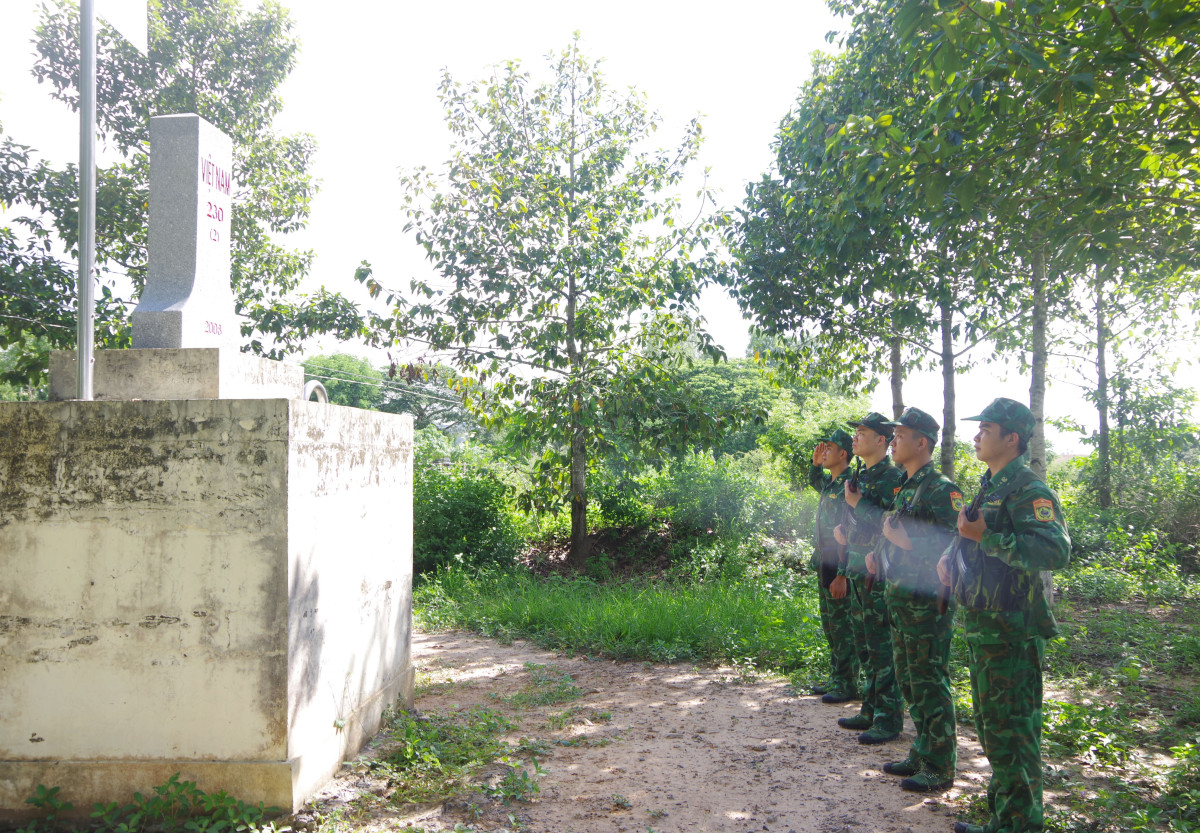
(188,301)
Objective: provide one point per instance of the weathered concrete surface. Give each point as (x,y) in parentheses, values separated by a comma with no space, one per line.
(189,373)
(216,587)
(349,580)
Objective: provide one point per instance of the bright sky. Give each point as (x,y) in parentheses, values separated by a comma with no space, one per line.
(366,88)
(369,93)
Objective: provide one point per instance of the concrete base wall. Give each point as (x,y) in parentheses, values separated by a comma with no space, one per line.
(220,588)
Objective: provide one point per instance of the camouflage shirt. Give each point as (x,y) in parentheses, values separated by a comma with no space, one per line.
(931,524)
(831,511)
(998,580)
(878,485)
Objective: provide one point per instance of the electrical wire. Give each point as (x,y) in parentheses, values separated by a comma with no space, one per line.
(381,384)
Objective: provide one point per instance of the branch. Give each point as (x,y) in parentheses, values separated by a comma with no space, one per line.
(1153,59)
(988,332)
(483,352)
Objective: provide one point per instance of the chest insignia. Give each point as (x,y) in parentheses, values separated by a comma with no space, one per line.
(1043,509)
(956,501)
(896,490)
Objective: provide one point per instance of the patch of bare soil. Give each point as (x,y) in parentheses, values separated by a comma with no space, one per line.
(666,748)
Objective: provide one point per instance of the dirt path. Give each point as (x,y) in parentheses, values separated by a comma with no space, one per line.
(684,750)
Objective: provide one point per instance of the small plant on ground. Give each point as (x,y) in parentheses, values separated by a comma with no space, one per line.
(576,715)
(547,687)
(175,806)
(46,799)
(435,753)
(1092,733)
(518,784)
(533,748)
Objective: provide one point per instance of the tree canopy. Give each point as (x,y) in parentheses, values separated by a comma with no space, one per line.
(566,275)
(963,173)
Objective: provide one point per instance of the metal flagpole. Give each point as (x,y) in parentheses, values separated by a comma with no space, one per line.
(85,287)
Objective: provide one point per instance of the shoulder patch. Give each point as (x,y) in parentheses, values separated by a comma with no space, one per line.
(956,501)
(1043,509)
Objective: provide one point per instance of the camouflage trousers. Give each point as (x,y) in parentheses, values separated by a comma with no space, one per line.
(1006,691)
(881,699)
(837,620)
(921,651)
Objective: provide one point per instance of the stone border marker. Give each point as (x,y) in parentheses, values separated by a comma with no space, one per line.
(188,301)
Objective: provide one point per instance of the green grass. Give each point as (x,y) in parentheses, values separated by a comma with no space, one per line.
(547,686)
(772,623)
(1138,576)
(1130,669)
(1126,643)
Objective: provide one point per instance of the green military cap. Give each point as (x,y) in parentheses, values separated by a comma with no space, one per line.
(841,439)
(877,422)
(1010,415)
(919,421)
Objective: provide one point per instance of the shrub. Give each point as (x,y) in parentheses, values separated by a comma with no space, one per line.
(723,558)
(620,500)
(1116,563)
(461,508)
(1160,497)
(734,495)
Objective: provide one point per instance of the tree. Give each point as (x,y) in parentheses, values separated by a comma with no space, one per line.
(740,389)
(567,278)
(883,281)
(208,57)
(1128,340)
(427,392)
(348,380)
(1068,130)
(12,374)
(430,393)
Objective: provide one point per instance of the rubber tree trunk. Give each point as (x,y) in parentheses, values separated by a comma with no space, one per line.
(1103,449)
(1037,385)
(1037,364)
(897,379)
(580,543)
(948,426)
(580,549)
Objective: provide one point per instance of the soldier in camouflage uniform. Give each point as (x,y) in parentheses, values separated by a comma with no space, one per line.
(918,531)
(833,453)
(995,572)
(882,714)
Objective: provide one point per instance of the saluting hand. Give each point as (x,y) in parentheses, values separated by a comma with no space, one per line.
(971,530)
(818,454)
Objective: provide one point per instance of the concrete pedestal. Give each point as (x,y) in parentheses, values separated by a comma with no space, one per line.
(178,373)
(220,588)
